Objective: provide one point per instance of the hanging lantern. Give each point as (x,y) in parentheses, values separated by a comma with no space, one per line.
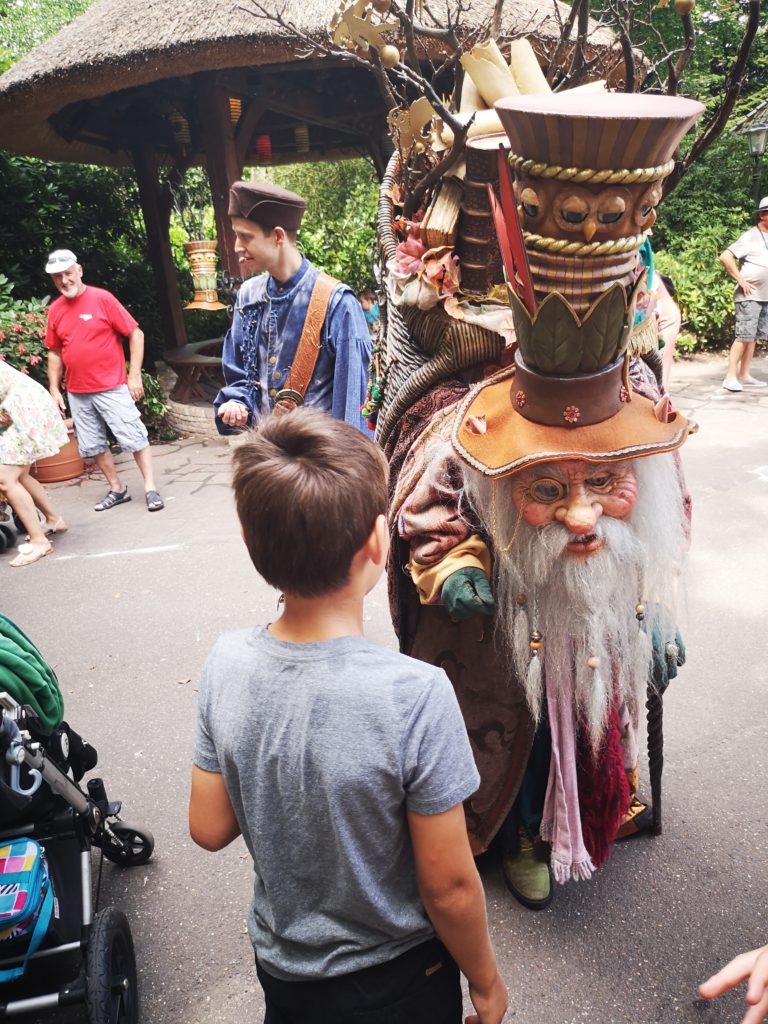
(202,262)
(180,128)
(235,109)
(301,138)
(263,149)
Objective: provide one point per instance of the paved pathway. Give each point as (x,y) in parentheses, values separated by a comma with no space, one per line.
(128,606)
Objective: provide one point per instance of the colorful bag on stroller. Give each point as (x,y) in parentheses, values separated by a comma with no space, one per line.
(26,898)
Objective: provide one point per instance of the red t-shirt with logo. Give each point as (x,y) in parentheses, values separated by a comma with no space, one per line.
(87,332)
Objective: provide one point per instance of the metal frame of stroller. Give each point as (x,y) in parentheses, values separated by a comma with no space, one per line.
(75,822)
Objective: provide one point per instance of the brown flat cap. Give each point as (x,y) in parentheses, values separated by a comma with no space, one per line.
(267,205)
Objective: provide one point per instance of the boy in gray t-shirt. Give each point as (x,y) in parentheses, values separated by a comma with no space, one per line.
(342,764)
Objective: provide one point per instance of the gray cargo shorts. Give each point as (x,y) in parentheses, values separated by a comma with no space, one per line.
(751,320)
(94,411)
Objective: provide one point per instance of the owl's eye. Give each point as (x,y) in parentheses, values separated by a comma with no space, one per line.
(611,209)
(573,209)
(530,202)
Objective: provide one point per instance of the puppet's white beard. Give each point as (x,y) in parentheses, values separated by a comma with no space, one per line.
(585,606)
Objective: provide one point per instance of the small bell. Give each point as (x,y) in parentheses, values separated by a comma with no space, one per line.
(535,641)
(521,600)
(640,612)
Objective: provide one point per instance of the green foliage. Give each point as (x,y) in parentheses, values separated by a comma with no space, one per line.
(193,206)
(27,23)
(704,290)
(338,232)
(710,208)
(94,211)
(153,409)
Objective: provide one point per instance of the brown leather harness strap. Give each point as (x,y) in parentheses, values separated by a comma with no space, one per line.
(308,349)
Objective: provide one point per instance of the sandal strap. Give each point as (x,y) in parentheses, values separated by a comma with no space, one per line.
(113,498)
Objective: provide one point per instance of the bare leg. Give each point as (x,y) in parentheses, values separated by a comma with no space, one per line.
(40,497)
(22,503)
(144,462)
(746,359)
(736,359)
(106,464)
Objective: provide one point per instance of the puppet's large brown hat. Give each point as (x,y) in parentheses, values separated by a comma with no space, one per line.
(587,184)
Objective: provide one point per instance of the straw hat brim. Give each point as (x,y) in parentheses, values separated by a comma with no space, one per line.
(495,439)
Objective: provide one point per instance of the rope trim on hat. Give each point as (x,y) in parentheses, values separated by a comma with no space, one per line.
(565,248)
(580,174)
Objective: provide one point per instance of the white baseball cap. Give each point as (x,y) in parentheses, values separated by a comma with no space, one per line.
(61,259)
(763,204)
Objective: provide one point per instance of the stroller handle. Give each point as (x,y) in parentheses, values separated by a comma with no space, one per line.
(19,749)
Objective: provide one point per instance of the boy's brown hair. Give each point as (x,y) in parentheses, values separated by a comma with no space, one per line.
(308,489)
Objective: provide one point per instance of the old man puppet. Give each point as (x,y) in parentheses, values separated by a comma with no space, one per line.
(540,517)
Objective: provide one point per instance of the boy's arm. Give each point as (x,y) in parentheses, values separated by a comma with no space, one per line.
(212,821)
(453,896)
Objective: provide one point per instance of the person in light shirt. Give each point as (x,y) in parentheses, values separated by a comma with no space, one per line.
(746,261)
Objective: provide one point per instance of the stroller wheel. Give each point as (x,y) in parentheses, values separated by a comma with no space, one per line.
(112,995)
(128,845)
(4,540)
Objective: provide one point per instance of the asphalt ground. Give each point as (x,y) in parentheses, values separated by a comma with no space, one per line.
(129,604)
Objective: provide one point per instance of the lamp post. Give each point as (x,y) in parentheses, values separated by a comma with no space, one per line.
(757,137)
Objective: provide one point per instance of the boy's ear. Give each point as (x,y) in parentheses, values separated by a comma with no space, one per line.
(377,545)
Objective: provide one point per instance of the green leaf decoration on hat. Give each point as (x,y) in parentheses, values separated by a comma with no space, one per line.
(602,329)
(557,341)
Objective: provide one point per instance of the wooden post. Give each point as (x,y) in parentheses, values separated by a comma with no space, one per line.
(218,139)
(159,244)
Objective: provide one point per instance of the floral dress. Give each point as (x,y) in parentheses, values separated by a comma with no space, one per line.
(31,427)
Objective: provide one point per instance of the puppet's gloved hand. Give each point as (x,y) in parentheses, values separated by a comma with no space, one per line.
(467,592)
(668,656)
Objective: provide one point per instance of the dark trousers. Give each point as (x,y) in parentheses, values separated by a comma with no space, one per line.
(528,808)
(421,986)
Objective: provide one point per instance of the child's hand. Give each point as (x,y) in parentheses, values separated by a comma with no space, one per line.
(752,965)
(491,1005)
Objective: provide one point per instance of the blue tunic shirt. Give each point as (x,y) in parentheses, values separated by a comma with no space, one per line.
(261,344)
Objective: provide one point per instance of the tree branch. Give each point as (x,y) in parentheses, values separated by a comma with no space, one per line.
(690,46)
(498,8)
(732,89)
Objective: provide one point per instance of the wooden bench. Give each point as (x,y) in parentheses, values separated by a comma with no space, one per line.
(197,369)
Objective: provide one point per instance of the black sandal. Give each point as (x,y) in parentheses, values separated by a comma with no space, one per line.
(154,501)
(113,498)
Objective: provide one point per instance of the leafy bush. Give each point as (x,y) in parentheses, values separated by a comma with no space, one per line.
(153,408)
(704,290)
(22,333)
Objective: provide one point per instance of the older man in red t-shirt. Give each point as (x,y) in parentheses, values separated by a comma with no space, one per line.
(85,326)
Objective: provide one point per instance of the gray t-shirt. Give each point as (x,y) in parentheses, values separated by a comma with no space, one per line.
(322,747)
(751,250)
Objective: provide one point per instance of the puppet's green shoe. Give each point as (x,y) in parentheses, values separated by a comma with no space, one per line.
(528,878)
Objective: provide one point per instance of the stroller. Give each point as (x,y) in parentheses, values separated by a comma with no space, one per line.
(9,524)
(48,827)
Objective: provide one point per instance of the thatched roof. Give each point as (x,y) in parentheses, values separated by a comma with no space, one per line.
(119,50)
